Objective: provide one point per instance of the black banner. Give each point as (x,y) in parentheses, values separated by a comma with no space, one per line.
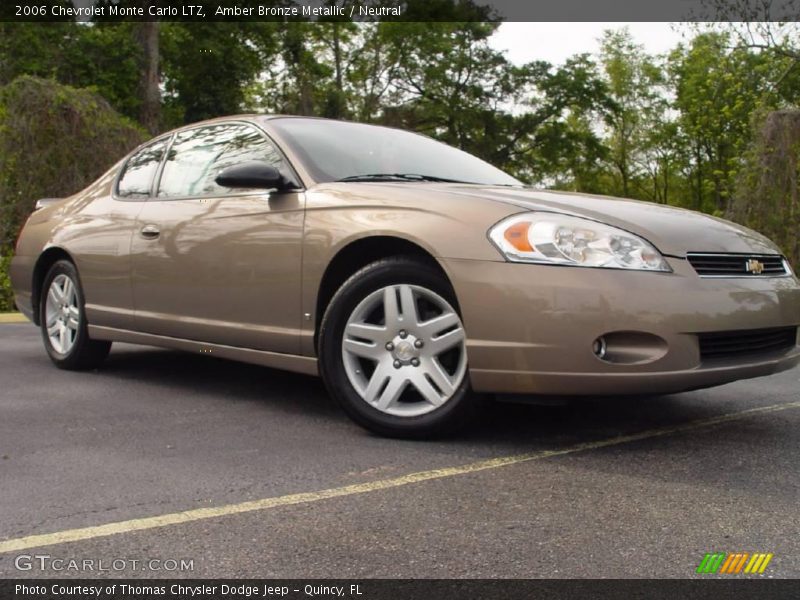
(400,10)
(387,589)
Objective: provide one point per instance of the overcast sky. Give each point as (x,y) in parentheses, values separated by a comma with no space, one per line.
(555,42)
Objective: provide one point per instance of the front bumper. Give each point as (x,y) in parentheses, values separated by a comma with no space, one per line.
(531,328)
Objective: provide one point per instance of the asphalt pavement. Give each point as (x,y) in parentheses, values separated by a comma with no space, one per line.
(122,460)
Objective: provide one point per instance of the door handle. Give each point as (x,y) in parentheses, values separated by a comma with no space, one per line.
(150,232)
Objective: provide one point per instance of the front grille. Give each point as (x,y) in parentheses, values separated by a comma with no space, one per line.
(748,342)
(737,265)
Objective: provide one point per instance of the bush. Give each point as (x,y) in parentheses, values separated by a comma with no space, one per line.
(6,294)
(54,141)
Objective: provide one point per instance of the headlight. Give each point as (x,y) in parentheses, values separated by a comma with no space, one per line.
(560,239)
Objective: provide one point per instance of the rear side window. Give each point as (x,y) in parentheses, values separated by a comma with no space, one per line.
(137,175)
(197,156)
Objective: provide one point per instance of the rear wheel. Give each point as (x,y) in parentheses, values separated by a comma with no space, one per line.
(63,321)
(393,351)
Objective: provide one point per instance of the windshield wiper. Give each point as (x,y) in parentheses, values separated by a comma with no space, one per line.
(399,177)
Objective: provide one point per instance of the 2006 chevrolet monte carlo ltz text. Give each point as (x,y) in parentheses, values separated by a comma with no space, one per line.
(415,278)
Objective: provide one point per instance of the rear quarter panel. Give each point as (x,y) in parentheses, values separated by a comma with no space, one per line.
(94,230)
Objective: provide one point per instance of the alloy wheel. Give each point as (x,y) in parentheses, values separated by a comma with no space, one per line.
(62,314)
(404,350)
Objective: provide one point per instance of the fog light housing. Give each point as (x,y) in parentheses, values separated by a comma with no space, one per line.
(629,347)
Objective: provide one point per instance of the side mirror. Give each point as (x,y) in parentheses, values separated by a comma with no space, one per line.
(255,174)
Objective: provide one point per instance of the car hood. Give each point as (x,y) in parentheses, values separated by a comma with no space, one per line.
(674,231)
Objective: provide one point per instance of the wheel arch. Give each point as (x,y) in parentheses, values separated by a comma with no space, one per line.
(46,260)
(358,254)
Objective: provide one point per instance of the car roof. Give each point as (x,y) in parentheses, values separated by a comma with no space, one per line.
(253,117)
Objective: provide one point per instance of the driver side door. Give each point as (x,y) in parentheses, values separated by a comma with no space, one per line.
(216,264)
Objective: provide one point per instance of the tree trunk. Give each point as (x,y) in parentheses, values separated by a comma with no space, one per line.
(699,177)
(150,111)
(337,57)
(298,63)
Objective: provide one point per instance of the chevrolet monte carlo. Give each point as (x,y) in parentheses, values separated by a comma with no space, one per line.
(414,278)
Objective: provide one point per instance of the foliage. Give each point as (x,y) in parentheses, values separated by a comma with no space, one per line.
(674,129)
(717,90)
(6,293)
(638,122)
(443,79)
(54,140)
(100,56)
(207,67)
(768,193)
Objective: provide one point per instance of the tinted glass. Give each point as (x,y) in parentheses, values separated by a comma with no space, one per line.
(333,150)
(197,156)
(138,173)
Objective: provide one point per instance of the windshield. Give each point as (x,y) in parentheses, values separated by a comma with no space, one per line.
(336,150)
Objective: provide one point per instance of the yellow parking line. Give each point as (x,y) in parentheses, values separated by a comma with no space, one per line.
(12,318)
(198,514)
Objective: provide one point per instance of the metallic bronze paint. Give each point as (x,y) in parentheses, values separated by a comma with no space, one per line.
(236,274)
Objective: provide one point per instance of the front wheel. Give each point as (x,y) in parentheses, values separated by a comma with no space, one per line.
(393,351)
(63,321)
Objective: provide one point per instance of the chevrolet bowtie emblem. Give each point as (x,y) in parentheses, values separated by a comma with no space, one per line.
(756,267)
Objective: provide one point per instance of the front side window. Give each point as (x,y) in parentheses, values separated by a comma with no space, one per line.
(137,175)
(197,156)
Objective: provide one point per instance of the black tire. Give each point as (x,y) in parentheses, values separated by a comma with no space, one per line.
(85,353)
(458,411)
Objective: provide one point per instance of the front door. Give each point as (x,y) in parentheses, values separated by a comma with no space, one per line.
(215,264)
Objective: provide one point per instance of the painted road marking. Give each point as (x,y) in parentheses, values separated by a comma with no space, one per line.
(12,318)
(198,514)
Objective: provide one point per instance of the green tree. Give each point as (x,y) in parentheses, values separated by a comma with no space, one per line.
(304,75)
(372,71)
(717,90)
(563,104)
(636,87)
(102,56)
(31,49)
(448,82)
(337,44)
(207,67)
(768,186)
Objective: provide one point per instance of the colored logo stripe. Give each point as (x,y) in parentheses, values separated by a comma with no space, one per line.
(733,563)
(758,563)
(711,562)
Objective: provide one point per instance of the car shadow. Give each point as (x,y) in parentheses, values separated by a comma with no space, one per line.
(231,381)
(536,423)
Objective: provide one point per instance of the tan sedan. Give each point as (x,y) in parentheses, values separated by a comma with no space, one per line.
(415,278)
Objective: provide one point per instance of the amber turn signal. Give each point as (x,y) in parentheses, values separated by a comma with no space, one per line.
(517,236)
